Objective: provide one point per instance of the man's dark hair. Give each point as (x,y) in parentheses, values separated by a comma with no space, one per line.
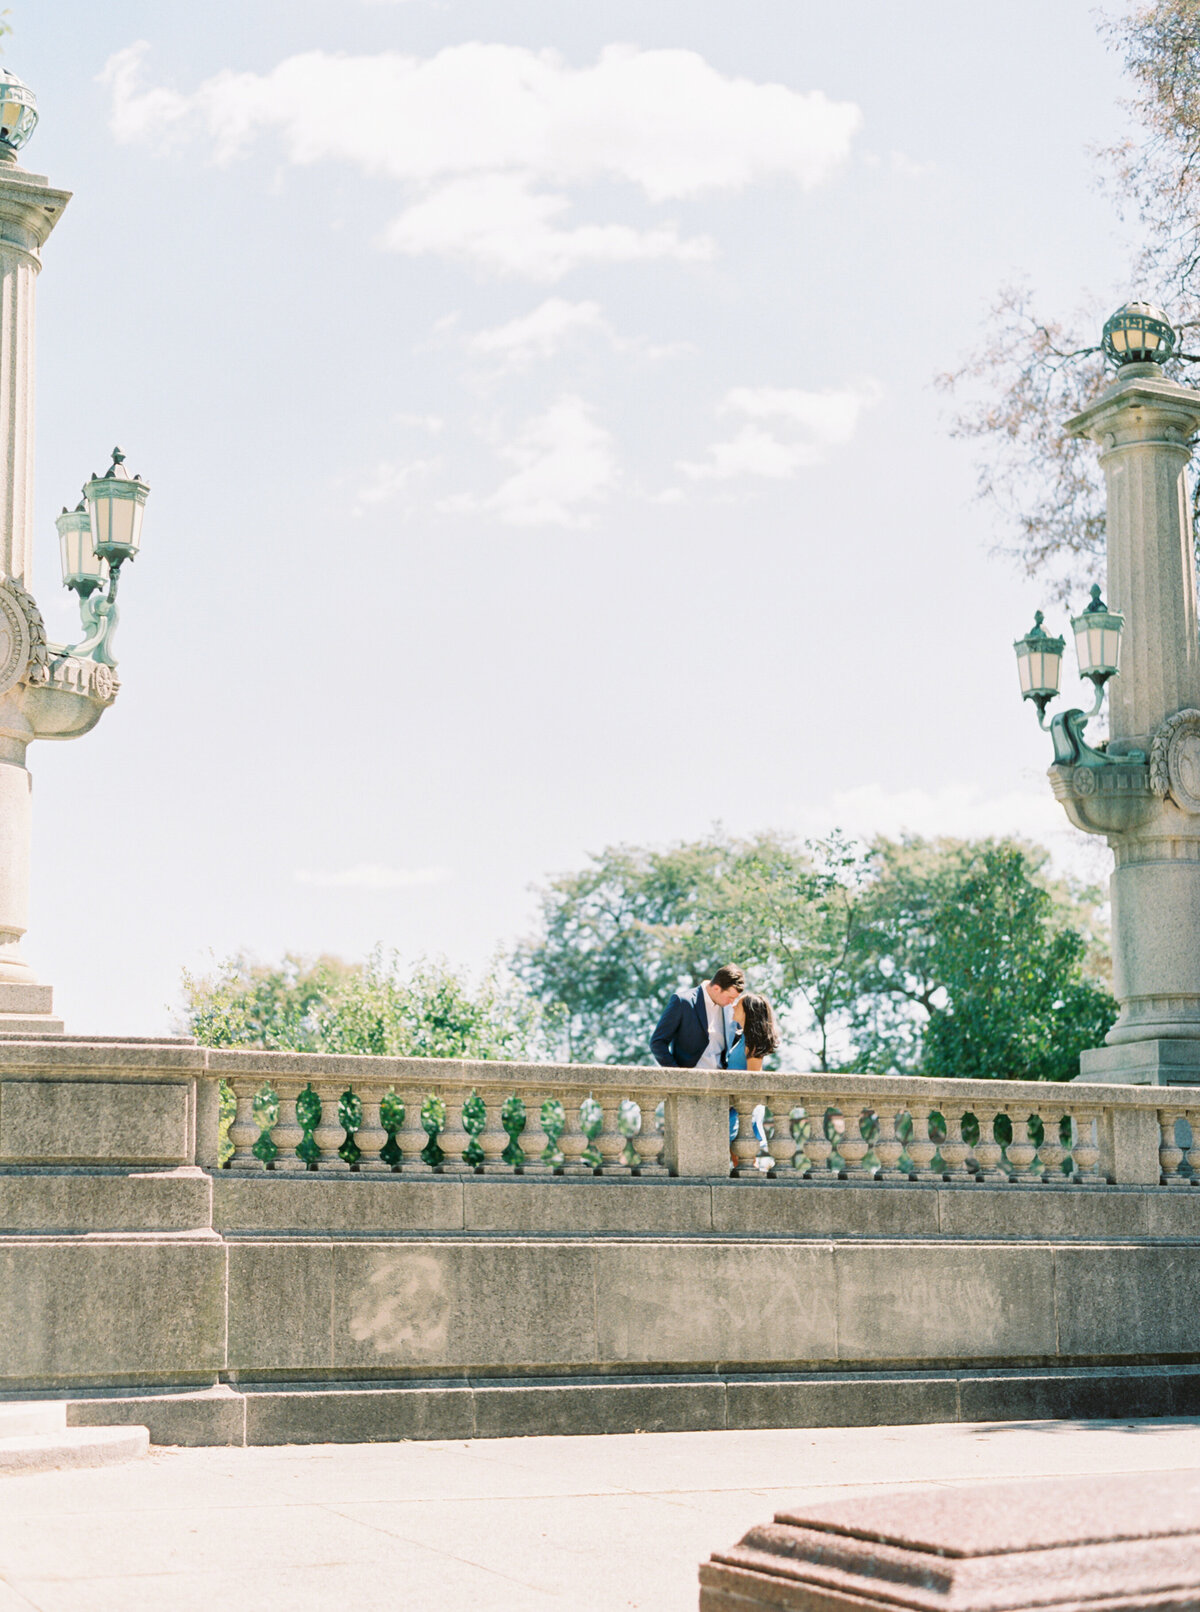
(729,978)
(762,1032)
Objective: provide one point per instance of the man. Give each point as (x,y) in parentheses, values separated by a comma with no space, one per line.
(694,1031)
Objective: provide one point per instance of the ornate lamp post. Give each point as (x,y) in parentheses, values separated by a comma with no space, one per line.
(1140,789)
(47,691)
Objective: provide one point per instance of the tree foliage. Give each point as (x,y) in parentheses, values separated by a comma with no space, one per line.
(925,956)
(378,1007)
(1034,369)
(974,965)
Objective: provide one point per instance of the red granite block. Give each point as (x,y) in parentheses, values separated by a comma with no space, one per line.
(1107,1544)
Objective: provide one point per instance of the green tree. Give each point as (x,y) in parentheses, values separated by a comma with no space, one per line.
(617,938)
(792,915)
(973,964)
(380,1007)
(614,941)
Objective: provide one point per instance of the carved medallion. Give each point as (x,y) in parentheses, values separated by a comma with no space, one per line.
(14,639)
(1083,780)
(1175,760)
(104,683)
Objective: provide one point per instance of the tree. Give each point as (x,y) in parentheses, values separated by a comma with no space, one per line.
(792,915)
(379,1007)
(616,939)
(975,965)
(940,957)
(1034,370)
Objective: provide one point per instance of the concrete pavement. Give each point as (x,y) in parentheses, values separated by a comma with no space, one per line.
(591,1524)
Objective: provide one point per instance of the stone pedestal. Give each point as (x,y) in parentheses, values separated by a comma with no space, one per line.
(1143,793)
(1173,1061)
(1126,1544)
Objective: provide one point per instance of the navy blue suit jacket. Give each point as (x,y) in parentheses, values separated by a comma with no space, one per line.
(682,1033)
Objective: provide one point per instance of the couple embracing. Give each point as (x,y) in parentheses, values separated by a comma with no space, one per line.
(717,1024)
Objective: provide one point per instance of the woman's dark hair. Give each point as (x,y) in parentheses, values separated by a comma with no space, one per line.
(762,1032)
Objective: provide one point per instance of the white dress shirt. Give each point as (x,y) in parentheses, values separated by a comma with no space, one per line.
(710,1058)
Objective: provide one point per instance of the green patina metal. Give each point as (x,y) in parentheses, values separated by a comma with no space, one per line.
(474,1118)
(433,1122)
(512,1118)
(629,1123)
(591,1123)
(308,1117)
(265,1108)
(391,1118)
(554,1123)
(1138,333)
(350,1118)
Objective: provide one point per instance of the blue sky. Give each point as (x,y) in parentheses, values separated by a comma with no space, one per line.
(537,405)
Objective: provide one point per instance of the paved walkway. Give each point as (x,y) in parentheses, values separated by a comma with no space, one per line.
(496,1525)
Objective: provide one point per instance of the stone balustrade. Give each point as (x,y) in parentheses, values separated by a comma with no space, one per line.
(417,1117)
(160,1104)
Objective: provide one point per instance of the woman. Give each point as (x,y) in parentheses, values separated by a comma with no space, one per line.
(759,1036)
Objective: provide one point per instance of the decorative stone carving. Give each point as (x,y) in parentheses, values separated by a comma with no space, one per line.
(39,654)
(1175,760)
(14,638)
(1083,780)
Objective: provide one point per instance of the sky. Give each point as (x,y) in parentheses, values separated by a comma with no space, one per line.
(537,405)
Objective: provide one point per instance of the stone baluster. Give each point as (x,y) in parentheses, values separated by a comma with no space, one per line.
(888,1144)
(834,1126)
(817,1147)
(651,1142)
(922,1149)
(572,1141)
(1086,1151)
(1053,1151)
(371,1135)
(610,1141)
(1170,1154)
(853,1145)
(243,1133)
(954,1150)
(455,1138)
(288,1135)
(328,1133)
(988,1151)
(1192,1153)
(745,1146)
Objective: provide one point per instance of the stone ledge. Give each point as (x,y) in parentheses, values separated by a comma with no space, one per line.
(472,1407)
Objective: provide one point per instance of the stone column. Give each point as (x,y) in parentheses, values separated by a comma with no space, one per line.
(29,210)
(1143,426)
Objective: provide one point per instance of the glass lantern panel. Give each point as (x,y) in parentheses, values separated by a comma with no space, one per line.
(1112,647)
(1050,671)
(1149,339)
(1118,339)
(1023,667)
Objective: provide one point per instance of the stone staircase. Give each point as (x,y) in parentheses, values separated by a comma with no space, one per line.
(34,1437)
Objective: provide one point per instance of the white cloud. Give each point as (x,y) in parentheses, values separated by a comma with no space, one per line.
(538,334)
(390,481)
(432,423)
(489,137)
(498,222)
(554,324)
(373,876)
(811,424)
(564,461)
